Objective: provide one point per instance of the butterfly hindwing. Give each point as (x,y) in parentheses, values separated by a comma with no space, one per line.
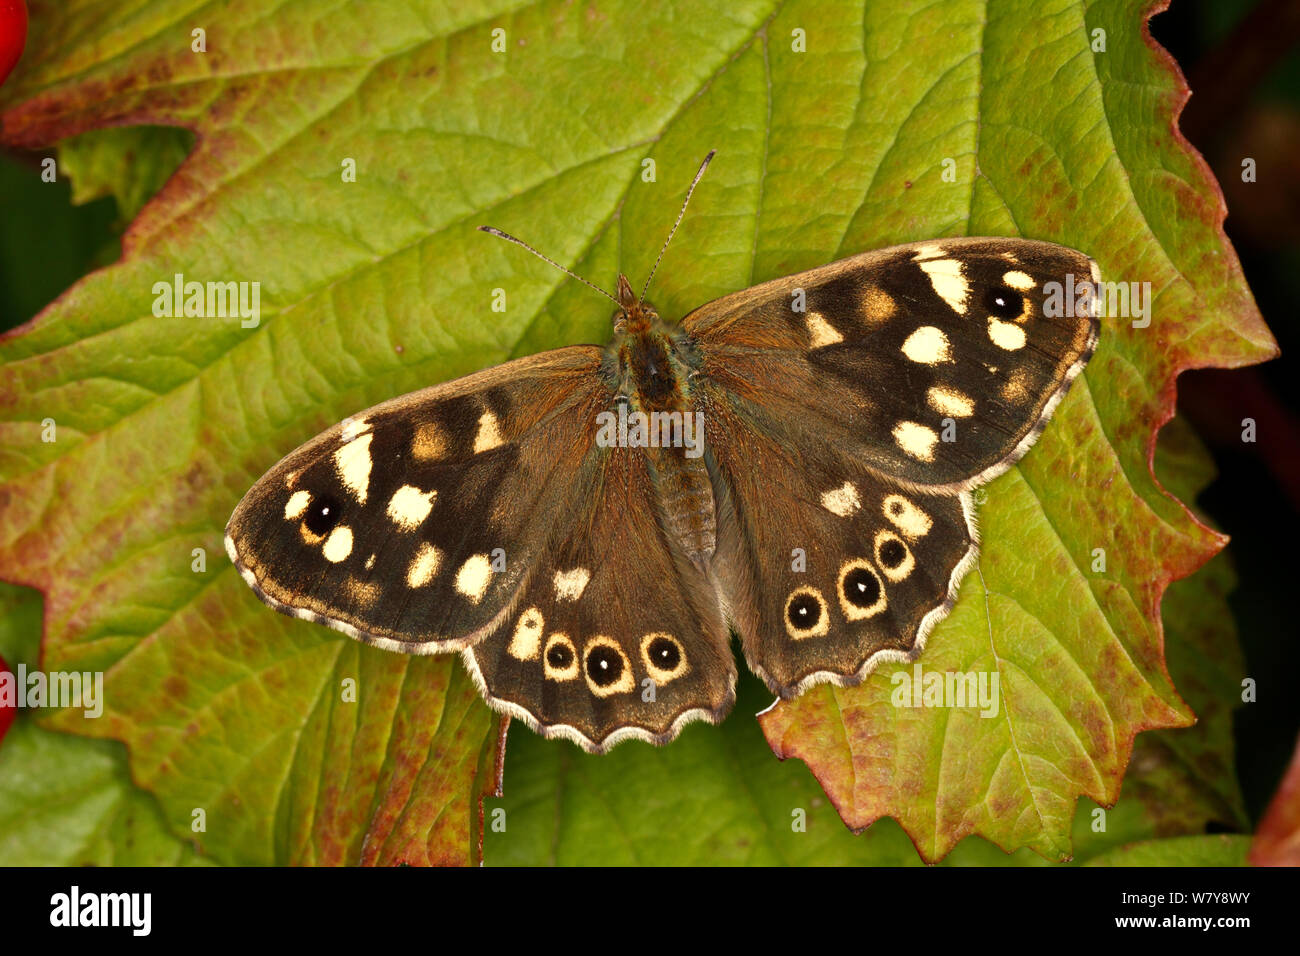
(936,363)
(832,567)
(615,634)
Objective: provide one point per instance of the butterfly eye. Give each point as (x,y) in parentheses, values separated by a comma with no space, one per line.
(561,658)
(1003,302)
(607,668)
(665,654)
(862,594)
(663,657)
(322,514)
(893,556)
(804,612)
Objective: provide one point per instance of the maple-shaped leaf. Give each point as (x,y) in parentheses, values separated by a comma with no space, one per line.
(346,174)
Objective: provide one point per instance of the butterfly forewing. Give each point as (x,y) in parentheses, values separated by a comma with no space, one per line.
(936,363)
(412,525)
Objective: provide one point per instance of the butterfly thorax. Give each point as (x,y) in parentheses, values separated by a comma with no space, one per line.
(654,363)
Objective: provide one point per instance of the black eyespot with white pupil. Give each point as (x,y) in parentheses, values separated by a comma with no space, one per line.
(861,587)
(604,666)
(892,553)
(1003,302)
(664,654)
(560,656)
(804,612)
(323,514)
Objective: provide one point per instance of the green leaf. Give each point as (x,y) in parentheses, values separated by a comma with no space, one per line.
(374,288)
(64,800)
(1199,851)
(1065,143)
(130,164)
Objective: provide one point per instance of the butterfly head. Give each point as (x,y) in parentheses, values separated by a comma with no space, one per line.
(634,316)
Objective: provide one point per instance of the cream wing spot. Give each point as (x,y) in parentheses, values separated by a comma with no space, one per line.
(1016,387)
(338,545)
(928,346)
(948,276)
(950,401)
(430,442)
(473,577)
(569,585)
(423,566)
(354,428)
(353,462)
(560,658)
(409,506)
(296,505)
(365,593)
(489,433)
(916,440)
(526,642)
(906,516)
(877,305)
(1021,281)
(806,614)
(1006,335)
(842,501)
(820,332)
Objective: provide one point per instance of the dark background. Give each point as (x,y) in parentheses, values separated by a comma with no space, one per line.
(1242,60)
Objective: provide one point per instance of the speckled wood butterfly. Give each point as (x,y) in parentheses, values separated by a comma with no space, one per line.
(819,439)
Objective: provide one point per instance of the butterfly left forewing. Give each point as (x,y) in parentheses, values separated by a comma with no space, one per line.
(411,525)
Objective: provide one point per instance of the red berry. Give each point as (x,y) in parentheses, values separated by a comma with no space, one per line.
(7,711)
(13,34)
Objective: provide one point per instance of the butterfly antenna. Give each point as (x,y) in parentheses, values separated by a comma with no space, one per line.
(520,242)
(694,182)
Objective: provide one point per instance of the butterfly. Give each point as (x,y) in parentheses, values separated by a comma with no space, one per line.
(793,462)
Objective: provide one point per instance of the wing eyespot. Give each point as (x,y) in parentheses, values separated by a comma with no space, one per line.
(862,593)
(806,614)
